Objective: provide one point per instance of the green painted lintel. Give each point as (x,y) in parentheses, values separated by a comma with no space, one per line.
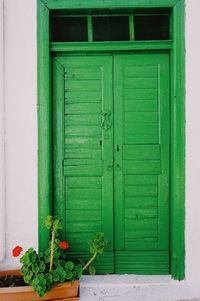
(114,46)
(101,4)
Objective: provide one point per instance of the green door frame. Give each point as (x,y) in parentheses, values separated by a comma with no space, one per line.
(177,104)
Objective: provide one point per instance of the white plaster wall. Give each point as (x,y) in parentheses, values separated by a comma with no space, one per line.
(2,149)
(20,126)
(192,140)
(21,131)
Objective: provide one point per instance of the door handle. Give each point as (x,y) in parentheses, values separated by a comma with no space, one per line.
(109,121)
(106,121)
(103,119)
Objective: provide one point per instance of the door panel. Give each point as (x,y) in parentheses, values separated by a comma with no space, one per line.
(83,130)
(141,110)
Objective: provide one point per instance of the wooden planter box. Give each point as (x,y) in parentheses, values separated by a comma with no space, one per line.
(67,291)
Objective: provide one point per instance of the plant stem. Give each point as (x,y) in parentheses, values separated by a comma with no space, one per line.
(90,261)
(52,250)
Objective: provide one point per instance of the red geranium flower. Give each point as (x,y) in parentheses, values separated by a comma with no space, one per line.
(17,251)
(64,245)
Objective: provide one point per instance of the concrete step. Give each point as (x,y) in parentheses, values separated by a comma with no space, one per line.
(137,288)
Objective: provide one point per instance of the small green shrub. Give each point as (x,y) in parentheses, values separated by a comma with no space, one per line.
(45,269)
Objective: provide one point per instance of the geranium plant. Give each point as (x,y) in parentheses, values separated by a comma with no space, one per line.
(43,270)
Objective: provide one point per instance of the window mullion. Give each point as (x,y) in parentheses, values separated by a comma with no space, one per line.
(131,27)
(90,29)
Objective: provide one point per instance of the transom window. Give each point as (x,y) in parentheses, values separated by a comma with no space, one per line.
(116,27)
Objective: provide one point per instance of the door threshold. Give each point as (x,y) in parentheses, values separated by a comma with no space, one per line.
(126,280)
(137,288)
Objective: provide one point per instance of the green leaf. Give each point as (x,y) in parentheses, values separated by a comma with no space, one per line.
(57,262)
(78,267)
(49,222)
(49,281)
(28,277)
(69,265)
(92,270)
(42,266)
(55,276)
(78,271)
(40,290)
(47,259)
(35,268)
(57,224)
(25,270)
(36,281)
(41,278)
(29,257)
(39,284)
(100,250)
(33,257)
(49,278)
(61,272)
(69,275)
(98,243)
(57,253)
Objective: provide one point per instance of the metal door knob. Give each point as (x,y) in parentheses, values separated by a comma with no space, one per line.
(118,167)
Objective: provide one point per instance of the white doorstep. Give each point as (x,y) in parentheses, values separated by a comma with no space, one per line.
(137,288)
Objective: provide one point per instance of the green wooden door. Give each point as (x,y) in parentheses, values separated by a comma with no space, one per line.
(83,151)
(111,157)
(141,173)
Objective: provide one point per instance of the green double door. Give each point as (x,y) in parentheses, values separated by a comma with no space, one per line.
(111,157)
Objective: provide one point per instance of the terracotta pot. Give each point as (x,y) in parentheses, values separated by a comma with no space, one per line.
(67,291)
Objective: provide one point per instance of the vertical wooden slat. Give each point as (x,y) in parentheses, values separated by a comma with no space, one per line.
(58,141)
(164,139)
(44,124)
(107,151)
(118,167)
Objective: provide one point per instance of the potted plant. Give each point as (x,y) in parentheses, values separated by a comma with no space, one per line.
(48,275)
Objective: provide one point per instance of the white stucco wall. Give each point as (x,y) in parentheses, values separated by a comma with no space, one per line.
(192,140)
(20,126)
(2,153)
(20,104)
